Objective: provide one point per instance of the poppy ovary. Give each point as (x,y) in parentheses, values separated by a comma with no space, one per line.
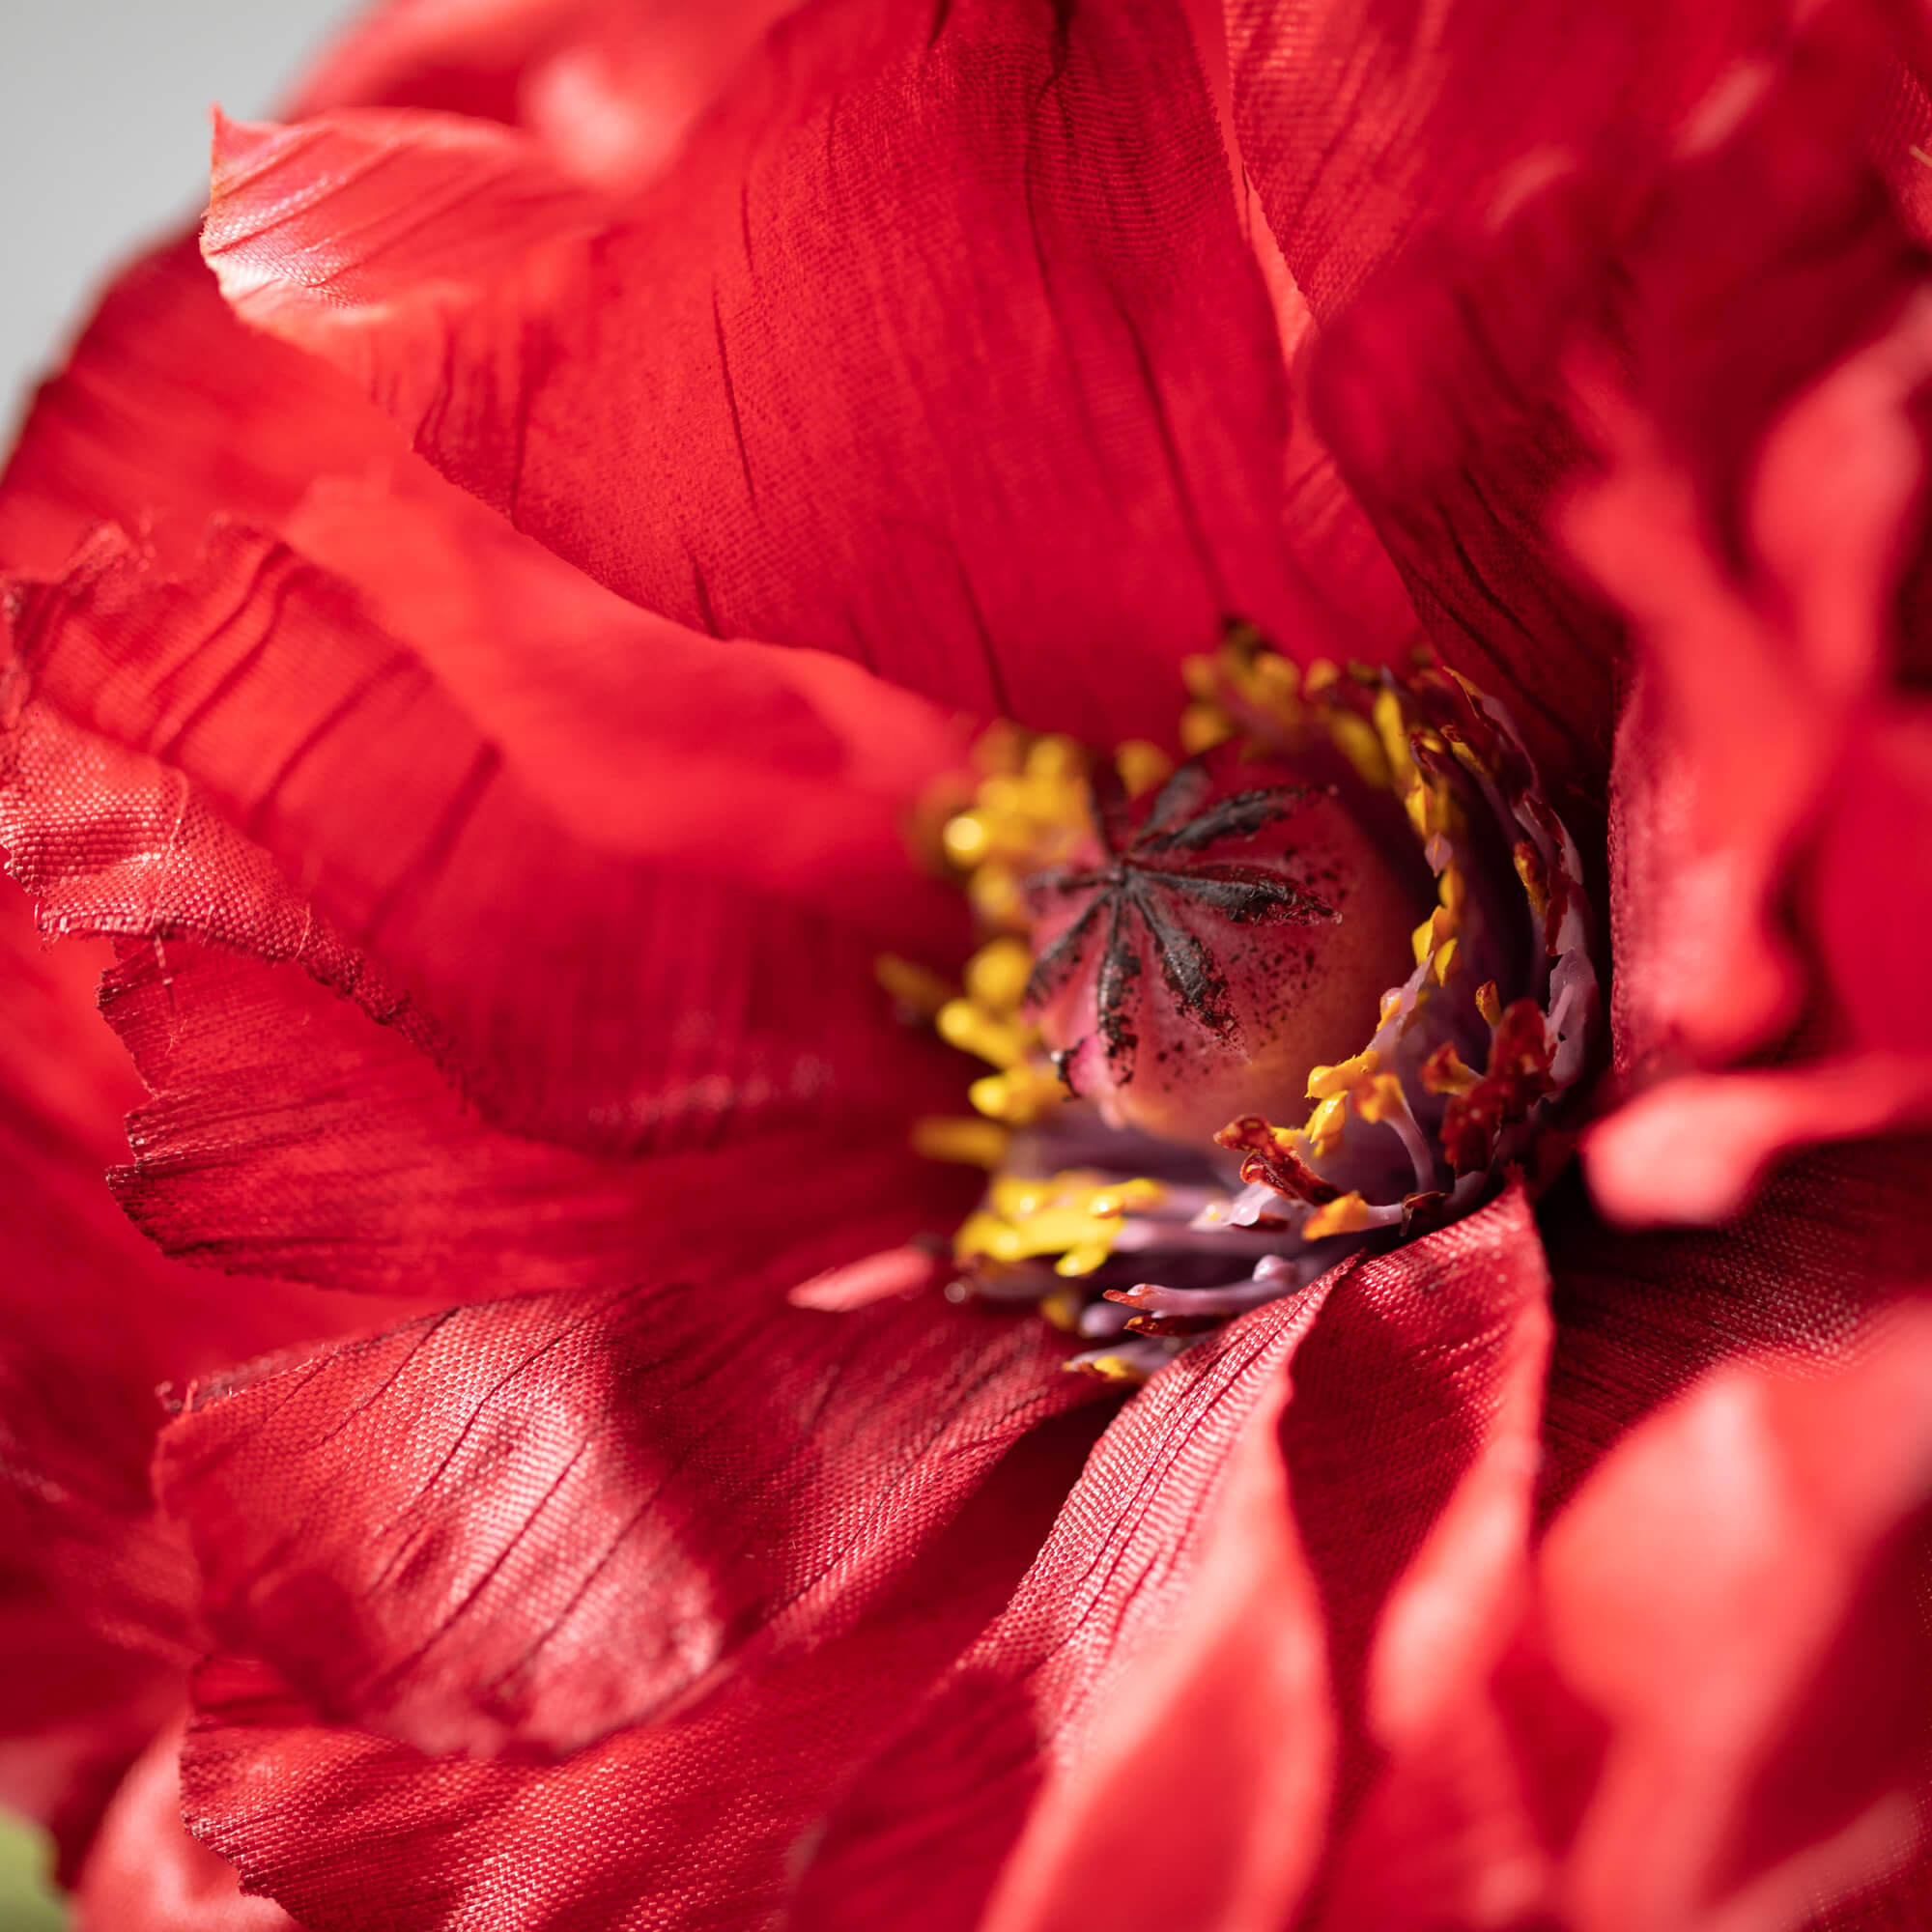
(1214,940)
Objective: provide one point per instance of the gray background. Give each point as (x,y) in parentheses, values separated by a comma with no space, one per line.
(103,140)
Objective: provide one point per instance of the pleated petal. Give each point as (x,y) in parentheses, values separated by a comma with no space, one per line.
(939,347)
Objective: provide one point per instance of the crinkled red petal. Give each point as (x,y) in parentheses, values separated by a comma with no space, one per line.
(535,1522)
(1400,1370)
(694,1821)
(259,695)
(1712,1705)
(144,1873)
(920,279)
(610,89)
(1364,126)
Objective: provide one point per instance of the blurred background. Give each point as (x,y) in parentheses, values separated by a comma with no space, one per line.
(103,142)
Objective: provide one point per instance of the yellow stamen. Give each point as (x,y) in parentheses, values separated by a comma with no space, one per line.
(1446,1071)
(1346,1215)
(1445,961)
(1142,767)
(1203,727)
(1109,1369)
(968,1143)
(1489,1002)
(1379,1098)
(1325,1081)
(1323,1132)
(1356,740)
(995,976)
(913,988)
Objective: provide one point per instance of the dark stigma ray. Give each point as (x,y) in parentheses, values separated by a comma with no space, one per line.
(1120,968)
(1198,988)
(1239,817)
(1248,894)
(1177,800)
(1057,964)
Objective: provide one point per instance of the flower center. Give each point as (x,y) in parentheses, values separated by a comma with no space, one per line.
(1312,991)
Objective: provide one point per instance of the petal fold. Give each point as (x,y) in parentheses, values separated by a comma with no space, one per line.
(445,1534)
(1025,481)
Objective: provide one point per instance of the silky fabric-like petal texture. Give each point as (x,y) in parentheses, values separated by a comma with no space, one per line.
(1075,320)
(1713,1706)
(1766,786)
(263,682)
(101,1614)
(144,1874)
(285,1121)
(689,1823)
(1367,124)
(611,87)
(760,1475)
(1407,1373)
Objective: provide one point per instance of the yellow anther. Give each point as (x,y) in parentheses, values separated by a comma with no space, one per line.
(1109,1369)
(965,838)
(1489,1002)
(1392,727)
(1346,1215)
(1142,767)
(1446,961)
(1325,1081)
(1380,1099)
(1062,1308)
(1320,675)
(1451,888)
(1203,727)
(995,976)
(1356,740)
(913,988)
(1279,680)
(970,1026)
(1084,1259)
(1439,925)
(995,893)
(1535,880)
(969,1143)
(1055,756)
(1201,675)
(1323,1132)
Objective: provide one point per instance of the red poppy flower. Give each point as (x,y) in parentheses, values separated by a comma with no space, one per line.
(481,621)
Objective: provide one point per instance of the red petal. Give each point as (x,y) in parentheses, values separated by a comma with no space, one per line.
(1717,1710)
(264,682)
(96,1599)
(699,1817)
(491,1501)
(145,1874)
(1832,1236)
(612,89)
(169,410)
(288,1134)
(1225,1737)
(798,438)
(1420,1368)
(1442,396)
(1364,124)
(1733,1591)
(1752,693)
(918,1842)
